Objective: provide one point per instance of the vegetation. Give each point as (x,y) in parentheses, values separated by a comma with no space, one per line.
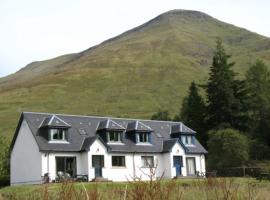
(227,148)
(4,161)
(134,74)
(211,188)
(193,112)
(219,90)
(161,115)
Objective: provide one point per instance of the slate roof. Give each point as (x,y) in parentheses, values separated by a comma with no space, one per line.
(180,127)
(160,138)
(54,121)
(110,125)
(138,126)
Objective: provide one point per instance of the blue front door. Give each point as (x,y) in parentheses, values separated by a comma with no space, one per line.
(97,164)
(178,163)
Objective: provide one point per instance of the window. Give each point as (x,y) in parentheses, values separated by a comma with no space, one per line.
(118,161)
(66,165)
(187,139)
(114,136)
(147,161)
(58,134)
(143,137)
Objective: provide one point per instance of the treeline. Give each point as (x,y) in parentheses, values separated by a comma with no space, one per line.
(232,117)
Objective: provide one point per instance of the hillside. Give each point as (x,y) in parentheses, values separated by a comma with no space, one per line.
(131,75)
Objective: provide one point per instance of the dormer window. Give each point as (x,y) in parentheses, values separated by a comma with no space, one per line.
(114,136)
(110,131)
(139,132)
(58,135)
(54,129)
(143,137)
(188,139)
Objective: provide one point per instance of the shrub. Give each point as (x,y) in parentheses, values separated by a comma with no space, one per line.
(227,148)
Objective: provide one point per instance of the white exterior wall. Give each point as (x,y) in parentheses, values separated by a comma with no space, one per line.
(49,163)
(177,150)
(199,161)
(28,165)
(25,163)
(133,168)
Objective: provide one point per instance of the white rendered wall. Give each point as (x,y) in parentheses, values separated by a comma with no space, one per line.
(49,163)
(25,163)
(199,161)
(133,168)
(177,150)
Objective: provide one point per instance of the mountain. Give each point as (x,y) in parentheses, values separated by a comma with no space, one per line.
(131,75)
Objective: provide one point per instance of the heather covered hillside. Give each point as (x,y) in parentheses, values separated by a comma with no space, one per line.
(131,75)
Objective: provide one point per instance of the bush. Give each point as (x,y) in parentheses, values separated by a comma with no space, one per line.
(4,181)
(259,150)
(227,148)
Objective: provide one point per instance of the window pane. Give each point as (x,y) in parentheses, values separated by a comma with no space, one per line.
(147,161)
(189,139)
(114,137)
(143,137)
(58,134)
(118,161)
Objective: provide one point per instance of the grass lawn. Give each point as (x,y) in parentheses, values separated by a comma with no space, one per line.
(214,188)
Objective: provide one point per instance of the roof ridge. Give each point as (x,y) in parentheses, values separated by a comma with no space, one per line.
(98,116)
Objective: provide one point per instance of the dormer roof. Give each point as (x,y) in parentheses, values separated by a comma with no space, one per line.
(138,126)
(109,124)
(54,121)
(80,141)
(181,128)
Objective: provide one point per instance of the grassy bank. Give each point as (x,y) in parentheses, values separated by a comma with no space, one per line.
(213,188)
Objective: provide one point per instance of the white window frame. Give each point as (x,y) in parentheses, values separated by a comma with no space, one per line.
(146,163)
(119,166)
(52,132)
(114,141)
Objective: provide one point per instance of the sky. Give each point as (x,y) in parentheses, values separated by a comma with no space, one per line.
(35,30)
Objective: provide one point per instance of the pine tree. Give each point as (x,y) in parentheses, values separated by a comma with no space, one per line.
(258,86)
(220,90)
(193,113)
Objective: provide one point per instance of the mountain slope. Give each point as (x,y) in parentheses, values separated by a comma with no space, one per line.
(133,74)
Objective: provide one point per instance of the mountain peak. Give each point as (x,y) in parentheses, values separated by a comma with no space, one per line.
(187,14)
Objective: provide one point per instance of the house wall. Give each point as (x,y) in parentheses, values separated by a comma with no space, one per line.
(25,161)
(49,163)
(177,150)
(199,161)
(133,168)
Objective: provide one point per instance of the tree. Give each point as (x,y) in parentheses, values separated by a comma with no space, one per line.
(220,89)
(227,148)
(193,112)
(4,156)
(258,87)
(162,115)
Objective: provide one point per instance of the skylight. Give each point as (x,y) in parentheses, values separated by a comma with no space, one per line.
(82,131)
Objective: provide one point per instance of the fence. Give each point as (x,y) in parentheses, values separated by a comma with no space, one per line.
(239,172)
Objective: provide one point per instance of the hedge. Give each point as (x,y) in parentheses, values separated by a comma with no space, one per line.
(4,181)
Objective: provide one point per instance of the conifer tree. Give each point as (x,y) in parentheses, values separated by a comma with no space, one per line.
(220,90)
(193,112)
(258,86)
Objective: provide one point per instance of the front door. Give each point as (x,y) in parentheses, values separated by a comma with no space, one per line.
(97,164)
(177,163)
(191,166)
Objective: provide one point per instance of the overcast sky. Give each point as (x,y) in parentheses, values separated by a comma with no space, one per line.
(32,30)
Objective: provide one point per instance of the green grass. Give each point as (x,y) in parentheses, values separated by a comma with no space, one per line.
(218,188)
(132,75)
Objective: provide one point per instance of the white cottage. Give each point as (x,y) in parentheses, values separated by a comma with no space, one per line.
(113,149)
